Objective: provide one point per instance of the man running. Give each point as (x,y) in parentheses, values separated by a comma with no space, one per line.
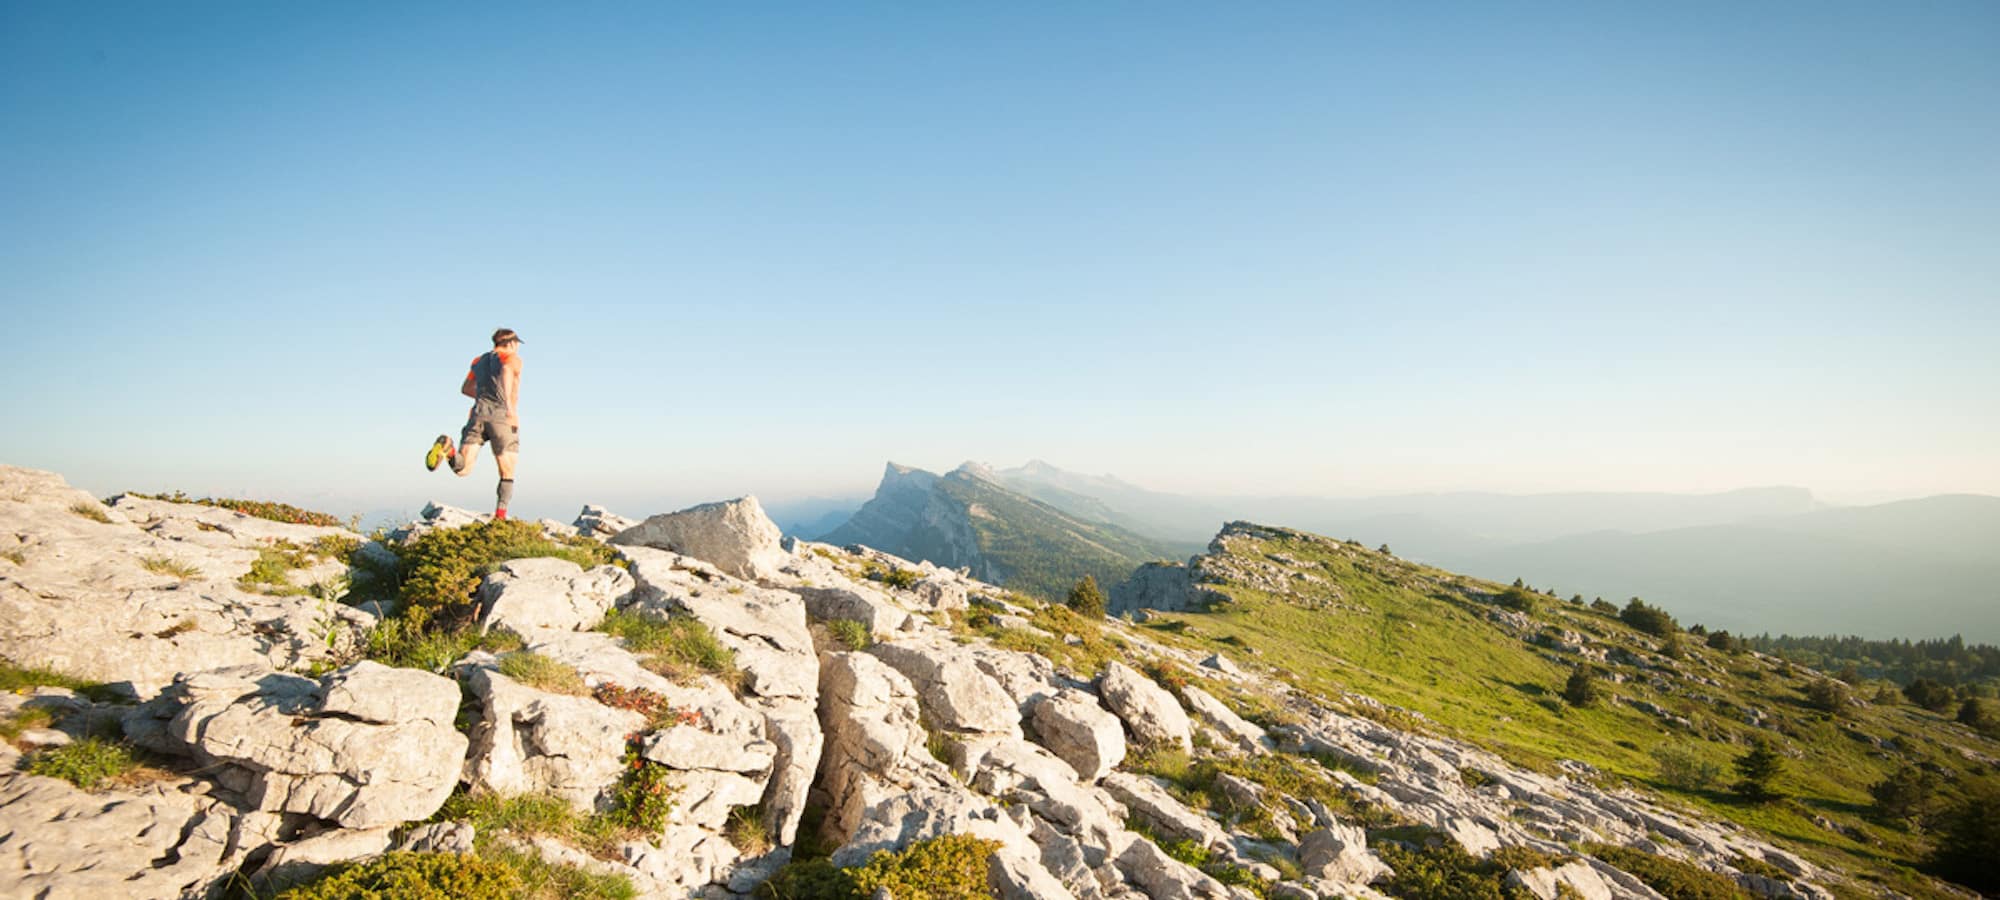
(494,384)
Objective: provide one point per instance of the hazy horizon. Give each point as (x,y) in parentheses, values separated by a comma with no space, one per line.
(1285,250)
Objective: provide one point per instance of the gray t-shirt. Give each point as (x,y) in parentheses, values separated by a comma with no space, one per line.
(489,401)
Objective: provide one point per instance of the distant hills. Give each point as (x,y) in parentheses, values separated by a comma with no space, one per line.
(968,518)
(1761,559)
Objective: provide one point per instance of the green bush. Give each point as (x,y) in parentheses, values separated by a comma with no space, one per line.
(1674,879)
(853,633)
(1724,641)
(1581,689)
(1086,599)
(1828,695)
(1649,619)
(86,763)
(643,799)
(1682,768)
(678,647)
(440,569)
(951,867)
(1930,695)
(900,577)
(1440,869)
(414,876)
(271,571)
(406,644)
(1517,598)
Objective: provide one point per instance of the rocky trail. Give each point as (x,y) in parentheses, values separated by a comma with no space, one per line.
(869,704)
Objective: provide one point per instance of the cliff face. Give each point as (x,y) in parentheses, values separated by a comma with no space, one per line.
(967,519)
(910,516)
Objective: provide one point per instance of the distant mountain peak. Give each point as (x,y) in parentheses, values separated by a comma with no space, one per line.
(976,469)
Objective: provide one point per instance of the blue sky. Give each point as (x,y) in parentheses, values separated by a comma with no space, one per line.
(1299,248)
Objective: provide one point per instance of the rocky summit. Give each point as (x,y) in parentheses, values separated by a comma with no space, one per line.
(207,702)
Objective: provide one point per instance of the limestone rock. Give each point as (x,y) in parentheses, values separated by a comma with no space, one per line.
(1167,816)
(1148,710)
(1085,735)
(299,861)
(61,843)
(1340,853)
(598,522)
(1245,736)
(439,837)
(765,627)
(842,598)
(83,600)
(529,741)
(734,536)
(527,594)
(1164,878)
(951,690)
(1578,876)
(365,746)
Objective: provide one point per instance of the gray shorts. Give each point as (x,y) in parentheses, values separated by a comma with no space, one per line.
(479,430)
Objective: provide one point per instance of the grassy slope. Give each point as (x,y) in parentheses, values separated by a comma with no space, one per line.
(1421,639)
(1041,550)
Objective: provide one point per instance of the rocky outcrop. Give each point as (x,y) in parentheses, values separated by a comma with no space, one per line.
(63,843)
(1241,733)
(528,594)
(1081,733)
(1339,853)
(952,691)
(1148,710)
(600,523)
(365,746)
(528,741)
(153,591)
(734,536)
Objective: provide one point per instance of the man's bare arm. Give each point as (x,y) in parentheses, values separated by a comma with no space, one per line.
(510,384)
(470,387)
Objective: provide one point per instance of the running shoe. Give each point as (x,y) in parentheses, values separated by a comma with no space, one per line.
(440,449)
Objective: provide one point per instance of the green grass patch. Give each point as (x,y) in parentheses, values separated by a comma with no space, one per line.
(438,571)
(677,647)
(404,644)
(542,673)
(27,718)
(17,677)
(852,633)
(88,763)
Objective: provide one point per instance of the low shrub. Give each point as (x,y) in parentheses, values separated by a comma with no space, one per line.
(414,876)
(404,643)
(262,509)
(86,763)
(1682,768)
(1649,619)
(951,867)
(655,707)
(900,577)
(1517,598)
(1437,868)
(643,799)
(27,719)
(1969,838)
(440,569)
(747,830)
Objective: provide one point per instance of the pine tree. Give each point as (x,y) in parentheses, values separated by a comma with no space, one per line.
(1086,599)
(1581,689)
(1759,768)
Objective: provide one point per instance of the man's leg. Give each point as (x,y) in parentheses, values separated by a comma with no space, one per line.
(505,445)
(468,448)
(505,492)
